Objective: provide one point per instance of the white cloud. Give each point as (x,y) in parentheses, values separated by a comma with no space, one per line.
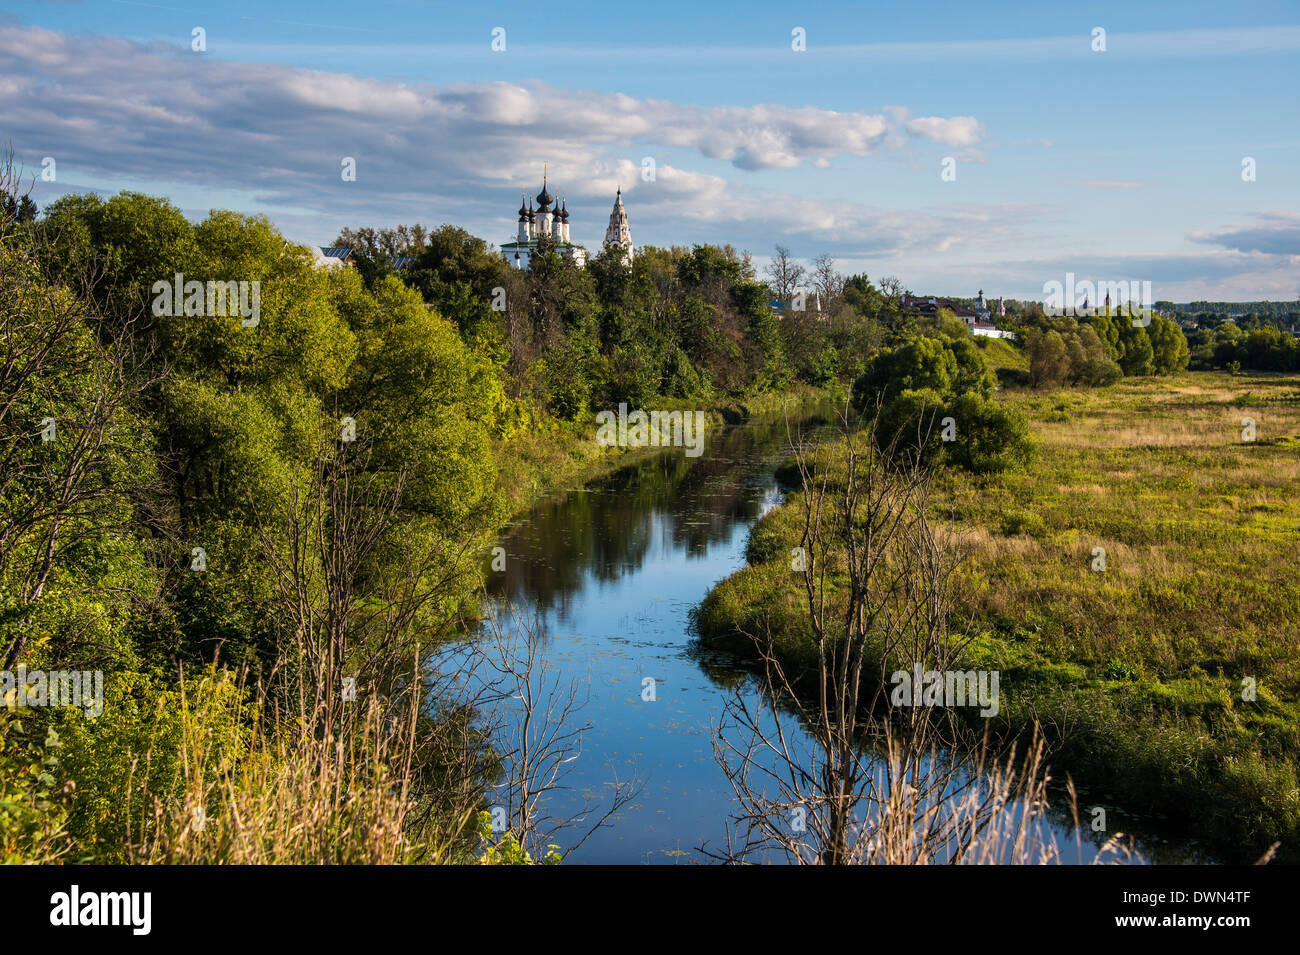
(111,110)
(954,131)
(120,106)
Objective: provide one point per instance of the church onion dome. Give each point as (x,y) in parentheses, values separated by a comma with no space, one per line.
(532,216)
(564,212)
(544,198)
(523,211)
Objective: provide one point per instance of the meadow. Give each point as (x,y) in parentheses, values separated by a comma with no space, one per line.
(1166,681)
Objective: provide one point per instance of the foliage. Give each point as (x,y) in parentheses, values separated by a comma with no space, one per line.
(1098,349)
(34,790)
(933,399)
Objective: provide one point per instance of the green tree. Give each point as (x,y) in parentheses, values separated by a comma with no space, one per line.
(135,239)
(989,437)
(974,375)
(1169,349)
(909,424)
(20,210)
(1137,357)
(919,364)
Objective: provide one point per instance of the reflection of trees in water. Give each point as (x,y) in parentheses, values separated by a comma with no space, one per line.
(731,673)
(1160,844)
(607,528)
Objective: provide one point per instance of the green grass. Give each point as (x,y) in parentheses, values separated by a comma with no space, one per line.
(1138,671)
(1000,353)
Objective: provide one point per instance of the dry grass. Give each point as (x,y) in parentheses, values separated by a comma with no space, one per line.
(282,793)
(998,816)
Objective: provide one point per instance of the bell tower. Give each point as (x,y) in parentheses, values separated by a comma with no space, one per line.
(619,234)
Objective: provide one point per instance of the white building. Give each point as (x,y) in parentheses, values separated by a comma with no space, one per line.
(619,235)
(544,222)
(332,256)
(978,319)
(550,221)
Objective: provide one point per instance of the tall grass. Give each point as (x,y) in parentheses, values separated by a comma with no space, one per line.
(266,789)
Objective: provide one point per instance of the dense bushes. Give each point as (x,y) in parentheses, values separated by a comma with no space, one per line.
(990,436)
(934,397)
(155,458)
(1267,348)
(1074,356)
(693,323)
(945,366)
(1099,349)
(34,792)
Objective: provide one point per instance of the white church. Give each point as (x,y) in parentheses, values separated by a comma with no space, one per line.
(550,219)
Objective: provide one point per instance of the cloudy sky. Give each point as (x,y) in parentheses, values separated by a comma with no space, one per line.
(1114,164)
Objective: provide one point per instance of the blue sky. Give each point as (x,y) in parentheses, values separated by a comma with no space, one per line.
(1117,164)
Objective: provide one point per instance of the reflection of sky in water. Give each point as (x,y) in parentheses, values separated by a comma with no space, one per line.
(612,573)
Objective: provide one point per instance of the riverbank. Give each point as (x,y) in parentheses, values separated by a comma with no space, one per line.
(1137,672)
(562,455)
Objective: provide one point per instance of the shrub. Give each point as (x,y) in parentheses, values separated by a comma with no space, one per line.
(911,423)
(34,791)
(990,437)
(926,381)
(1100,371)
(131,756)
(927,364)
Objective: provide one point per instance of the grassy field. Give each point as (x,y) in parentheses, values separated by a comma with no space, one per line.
(1138,671)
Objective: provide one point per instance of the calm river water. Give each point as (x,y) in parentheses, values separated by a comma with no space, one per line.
(611,572)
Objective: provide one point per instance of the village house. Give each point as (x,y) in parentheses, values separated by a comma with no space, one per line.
(977,318)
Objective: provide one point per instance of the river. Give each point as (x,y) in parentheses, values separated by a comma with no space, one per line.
(610,572)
